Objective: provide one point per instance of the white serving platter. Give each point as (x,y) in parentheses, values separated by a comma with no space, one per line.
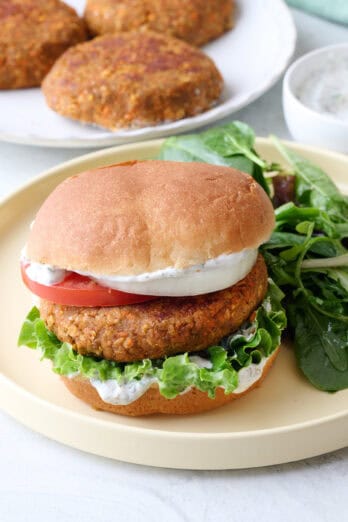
(251,58)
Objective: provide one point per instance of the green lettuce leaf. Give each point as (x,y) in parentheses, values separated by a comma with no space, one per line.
(257,339)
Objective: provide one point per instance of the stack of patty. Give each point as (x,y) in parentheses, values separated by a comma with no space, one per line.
(142,70)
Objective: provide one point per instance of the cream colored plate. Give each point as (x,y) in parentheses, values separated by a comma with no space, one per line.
(284,420)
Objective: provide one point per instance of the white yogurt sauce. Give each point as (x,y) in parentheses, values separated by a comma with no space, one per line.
(112,392)
(325,90)
(200,361)
(45,274)
(249,375)
(215,274)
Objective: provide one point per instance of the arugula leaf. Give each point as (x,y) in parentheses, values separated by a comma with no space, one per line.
(340,275)
(314,188)
(307,257)
(290,215)
(175,374)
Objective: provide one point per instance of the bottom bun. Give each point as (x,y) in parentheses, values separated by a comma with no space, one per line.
(193,401)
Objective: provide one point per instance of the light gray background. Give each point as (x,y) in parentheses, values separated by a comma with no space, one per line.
(43,481)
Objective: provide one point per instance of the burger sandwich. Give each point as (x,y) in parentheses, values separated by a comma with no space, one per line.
(153,297)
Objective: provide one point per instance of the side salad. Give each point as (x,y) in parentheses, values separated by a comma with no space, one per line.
(307,255)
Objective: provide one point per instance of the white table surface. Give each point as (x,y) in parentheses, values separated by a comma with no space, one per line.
(41,480)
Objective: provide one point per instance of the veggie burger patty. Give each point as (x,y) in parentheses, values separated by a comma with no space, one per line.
(158,328)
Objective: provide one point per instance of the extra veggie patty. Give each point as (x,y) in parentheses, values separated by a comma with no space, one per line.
(34,33)
(196,21)
(130,80)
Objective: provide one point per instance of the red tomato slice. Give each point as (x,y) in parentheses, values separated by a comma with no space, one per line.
(78,290)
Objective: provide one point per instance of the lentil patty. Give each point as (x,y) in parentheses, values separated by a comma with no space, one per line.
(158,328)
(34,33)
(132,80)
(196,21)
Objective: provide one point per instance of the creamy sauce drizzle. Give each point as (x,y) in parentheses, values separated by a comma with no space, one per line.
(215,274)
(45,274)
(112,392)
(249,375)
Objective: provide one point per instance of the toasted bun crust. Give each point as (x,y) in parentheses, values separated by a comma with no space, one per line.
(194,401)
(144,216)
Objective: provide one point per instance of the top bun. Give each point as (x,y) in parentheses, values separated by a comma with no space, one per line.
(144,216)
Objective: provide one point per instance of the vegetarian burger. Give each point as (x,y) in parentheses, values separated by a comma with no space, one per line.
(153,297)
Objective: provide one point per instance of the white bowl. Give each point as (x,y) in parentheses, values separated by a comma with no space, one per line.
(306,124)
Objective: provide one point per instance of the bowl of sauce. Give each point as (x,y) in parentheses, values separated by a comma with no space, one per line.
(315,98)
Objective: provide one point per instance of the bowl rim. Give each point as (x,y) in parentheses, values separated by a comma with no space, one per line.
(288,91)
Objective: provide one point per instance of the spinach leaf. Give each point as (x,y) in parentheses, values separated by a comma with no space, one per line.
(231,139)
(258,176)
(192,148)
(230,145)
(321,346)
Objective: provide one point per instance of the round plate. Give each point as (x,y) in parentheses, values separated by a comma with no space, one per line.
(251,58)
(285,419)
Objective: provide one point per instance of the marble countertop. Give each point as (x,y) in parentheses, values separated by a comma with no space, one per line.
(42,480)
